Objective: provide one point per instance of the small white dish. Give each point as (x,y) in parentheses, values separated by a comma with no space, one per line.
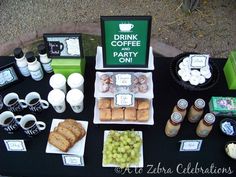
(77,149)
(139,165)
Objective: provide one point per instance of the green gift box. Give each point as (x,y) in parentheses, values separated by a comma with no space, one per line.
(223,106)
(230,71)
(67,66)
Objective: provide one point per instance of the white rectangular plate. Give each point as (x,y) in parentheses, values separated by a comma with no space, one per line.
(77,149)
(150,121)
(140,165)
(149,94)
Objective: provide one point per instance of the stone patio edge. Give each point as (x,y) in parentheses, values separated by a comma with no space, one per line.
(70,27)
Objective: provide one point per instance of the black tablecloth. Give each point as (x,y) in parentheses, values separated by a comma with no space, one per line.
(161,154)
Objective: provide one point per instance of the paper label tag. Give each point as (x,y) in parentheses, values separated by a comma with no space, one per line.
(124,100)
(123,80)
(73,47)
(198,61)
(72,160)
(15,145)
(190,145)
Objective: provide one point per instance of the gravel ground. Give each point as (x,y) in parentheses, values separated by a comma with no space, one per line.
(209,29)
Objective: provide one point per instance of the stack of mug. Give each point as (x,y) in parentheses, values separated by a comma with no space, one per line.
(74,97)
(28,122)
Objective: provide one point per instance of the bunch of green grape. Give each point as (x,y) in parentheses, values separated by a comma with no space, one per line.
(122,148)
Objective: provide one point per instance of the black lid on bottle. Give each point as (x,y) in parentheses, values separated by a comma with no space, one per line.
(41,49)
(30,57)
(18,53)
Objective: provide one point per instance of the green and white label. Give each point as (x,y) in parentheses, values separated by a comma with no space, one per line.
(126,42)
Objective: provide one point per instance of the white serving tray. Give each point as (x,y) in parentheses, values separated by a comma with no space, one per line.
(139,165)
(98,94)
(77,149)
(150,121)
(99,61)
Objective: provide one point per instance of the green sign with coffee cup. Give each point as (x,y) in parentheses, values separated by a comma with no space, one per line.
(125,41)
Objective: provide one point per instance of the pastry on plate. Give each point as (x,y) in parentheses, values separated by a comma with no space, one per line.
(117,114)
(69,135)
(142,79)
(104,87)
(104,103)
(143,88)
(59,141)
(72,128)
(105,79)
(143,104)
(142,115)
(76,126)
(130,114)
(105,114)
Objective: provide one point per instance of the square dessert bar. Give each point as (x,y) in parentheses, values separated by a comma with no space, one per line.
(104,103)
(142,115)
(105,114)
(143,104)
(130,114)
(117,114)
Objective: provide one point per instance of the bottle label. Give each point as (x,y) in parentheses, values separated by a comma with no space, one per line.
(47,67)
(24,71)
(37,75)
(204,132)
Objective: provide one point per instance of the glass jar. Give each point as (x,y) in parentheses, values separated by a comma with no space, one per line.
(196,110)
(205,125)
(181,107)
(173,124)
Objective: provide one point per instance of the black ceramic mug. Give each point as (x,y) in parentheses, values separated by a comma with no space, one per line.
(14,103)
(9,121)
(35,103)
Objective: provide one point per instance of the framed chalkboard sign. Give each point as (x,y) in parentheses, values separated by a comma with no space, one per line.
(9,75)
(64,45)
(125,41)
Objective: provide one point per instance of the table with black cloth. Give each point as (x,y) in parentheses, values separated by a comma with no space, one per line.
(161,154)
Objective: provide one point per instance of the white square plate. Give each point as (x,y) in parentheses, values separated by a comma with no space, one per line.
(77,149)
(139,165)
